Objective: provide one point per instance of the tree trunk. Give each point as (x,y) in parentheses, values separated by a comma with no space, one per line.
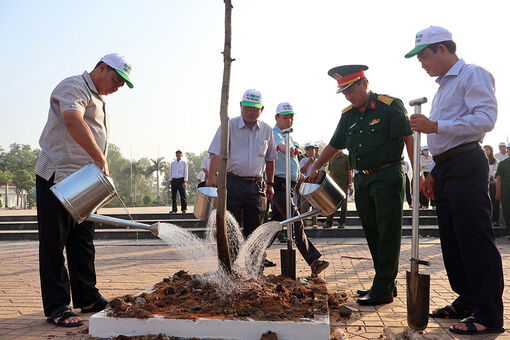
(221,229)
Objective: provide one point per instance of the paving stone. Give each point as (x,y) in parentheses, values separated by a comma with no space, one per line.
(131,266)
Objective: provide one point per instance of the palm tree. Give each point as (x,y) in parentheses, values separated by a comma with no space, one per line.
(158,165)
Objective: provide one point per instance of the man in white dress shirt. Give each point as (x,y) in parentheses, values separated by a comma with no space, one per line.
(251,151)
(463,110)
(178,181)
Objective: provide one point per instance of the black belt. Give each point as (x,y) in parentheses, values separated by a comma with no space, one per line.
(380,167)
(245,179)
(282,180)
(447,155)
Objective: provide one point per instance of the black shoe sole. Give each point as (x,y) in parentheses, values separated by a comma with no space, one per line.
(363,292)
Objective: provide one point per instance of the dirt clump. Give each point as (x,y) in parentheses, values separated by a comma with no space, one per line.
(185,296)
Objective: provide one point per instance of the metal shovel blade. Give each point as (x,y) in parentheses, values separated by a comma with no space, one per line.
(418,288)
(288,260)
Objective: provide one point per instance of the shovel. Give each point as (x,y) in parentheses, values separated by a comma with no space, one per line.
(418,285)
(288,256)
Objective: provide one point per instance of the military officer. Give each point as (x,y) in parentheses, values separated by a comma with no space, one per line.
(374,129)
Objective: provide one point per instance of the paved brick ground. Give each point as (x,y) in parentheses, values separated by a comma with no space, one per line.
(128,267)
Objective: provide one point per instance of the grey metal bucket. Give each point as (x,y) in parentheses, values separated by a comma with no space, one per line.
(84,191)
(207,200)
(326,196)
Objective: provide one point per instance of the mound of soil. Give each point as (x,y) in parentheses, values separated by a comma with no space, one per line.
(185,296)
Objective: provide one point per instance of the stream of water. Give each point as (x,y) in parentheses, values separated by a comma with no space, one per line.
(246,256)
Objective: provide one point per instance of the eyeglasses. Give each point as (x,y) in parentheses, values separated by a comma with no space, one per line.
(117,79)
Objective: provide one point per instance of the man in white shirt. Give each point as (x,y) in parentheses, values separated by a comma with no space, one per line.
(306,165)
(425,164)
(463,110)
(178,181)
(503,153)
(251,151)
(205,170)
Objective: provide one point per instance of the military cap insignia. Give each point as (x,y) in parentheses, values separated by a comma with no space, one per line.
(348,108)
(385,99)
(337,76)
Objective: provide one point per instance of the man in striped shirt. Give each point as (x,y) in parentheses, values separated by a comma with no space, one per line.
(76,133)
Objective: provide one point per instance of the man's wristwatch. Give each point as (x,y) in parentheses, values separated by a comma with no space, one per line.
(270,183)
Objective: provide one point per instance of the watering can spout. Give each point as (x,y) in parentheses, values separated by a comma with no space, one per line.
(154,228)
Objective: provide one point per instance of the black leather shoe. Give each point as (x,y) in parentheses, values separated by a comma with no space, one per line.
(363,292)
(372,299)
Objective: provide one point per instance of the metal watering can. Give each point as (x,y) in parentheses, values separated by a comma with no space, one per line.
(87,190)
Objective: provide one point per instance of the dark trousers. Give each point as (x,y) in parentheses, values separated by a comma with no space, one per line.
(343,208)
(305,246)
(471,258)
(177,186)
(379,201)
(409,198)
(505,209)
(494,202)
(247,201)
(57,230)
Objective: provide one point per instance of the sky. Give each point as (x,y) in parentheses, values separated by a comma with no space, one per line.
(282,48)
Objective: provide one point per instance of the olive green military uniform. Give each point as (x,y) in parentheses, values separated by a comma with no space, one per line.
(374,139)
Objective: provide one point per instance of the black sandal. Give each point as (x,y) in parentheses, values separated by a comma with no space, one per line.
(471,328)
(63,313)
(447,312)
(98,306)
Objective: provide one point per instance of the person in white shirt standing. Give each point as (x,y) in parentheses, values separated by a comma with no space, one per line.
(252,152)
(205,170)
(425,163)
(178,180)
(502,154)
(306,165)
(463,110)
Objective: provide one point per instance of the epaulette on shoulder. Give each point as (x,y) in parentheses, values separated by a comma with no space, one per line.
(385,99)
(348,108)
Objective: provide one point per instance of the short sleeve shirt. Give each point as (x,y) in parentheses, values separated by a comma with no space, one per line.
(504,172)
(248,149)
(280,160)
(373,137)
(60,154)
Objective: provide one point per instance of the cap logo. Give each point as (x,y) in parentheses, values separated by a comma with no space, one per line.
(127,68)
(337,76)
(418,37)
(252,97)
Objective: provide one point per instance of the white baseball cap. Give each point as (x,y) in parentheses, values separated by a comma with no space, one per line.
(430,35)
(252,98)
(502,144)
(284,109)
(120,64)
